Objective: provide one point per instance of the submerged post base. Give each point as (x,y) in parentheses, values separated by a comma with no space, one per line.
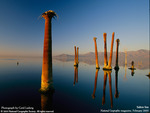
(116,67)
(93,96)
(75,65)
(132,68)
(148,75)
(48,90)
(107,68)
(117,94)
(46,87)
(97,67)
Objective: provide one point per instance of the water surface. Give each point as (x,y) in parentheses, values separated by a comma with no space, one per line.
(77,90)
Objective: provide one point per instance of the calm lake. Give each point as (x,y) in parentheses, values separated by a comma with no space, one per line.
(77,90)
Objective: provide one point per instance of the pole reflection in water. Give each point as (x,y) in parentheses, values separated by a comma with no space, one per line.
(47,101)
(75,75)
(95,83)
(116,84)
(105,81)
(107,72)
(132,68)
(132,72)
(125,78)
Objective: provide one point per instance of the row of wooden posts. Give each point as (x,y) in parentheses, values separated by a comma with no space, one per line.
(107,64)
(46,77)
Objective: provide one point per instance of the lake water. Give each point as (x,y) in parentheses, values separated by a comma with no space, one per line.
(77,90)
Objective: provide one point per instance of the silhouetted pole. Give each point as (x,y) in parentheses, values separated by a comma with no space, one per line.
(77,55)
(105,50)
(116,84)
(95,83)
(105,81)
(111,51)
(96,53)
(46,82)
(117,48)
(110,88)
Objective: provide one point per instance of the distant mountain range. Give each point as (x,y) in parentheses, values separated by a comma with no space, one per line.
(140,58)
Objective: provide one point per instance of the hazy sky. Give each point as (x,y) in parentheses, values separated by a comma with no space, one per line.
(22,31)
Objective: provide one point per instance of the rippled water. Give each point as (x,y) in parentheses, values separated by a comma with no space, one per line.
(77,90)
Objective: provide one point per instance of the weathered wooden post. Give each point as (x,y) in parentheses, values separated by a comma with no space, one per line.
(95,83)
(117,48)
(96,53)
(125,57)
(77,55)
(108,66)
(105,50)
(132,66)
(111,52)
(46,78)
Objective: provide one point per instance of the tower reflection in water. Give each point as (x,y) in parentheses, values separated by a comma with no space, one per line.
(95,83)
(107,72)
(75,75)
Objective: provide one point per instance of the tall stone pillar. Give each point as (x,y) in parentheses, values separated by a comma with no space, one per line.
(46,78)
(105,50)
(96,53)
(117,48)
(111,51)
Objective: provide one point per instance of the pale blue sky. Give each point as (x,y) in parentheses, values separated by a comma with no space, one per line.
(22,32)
